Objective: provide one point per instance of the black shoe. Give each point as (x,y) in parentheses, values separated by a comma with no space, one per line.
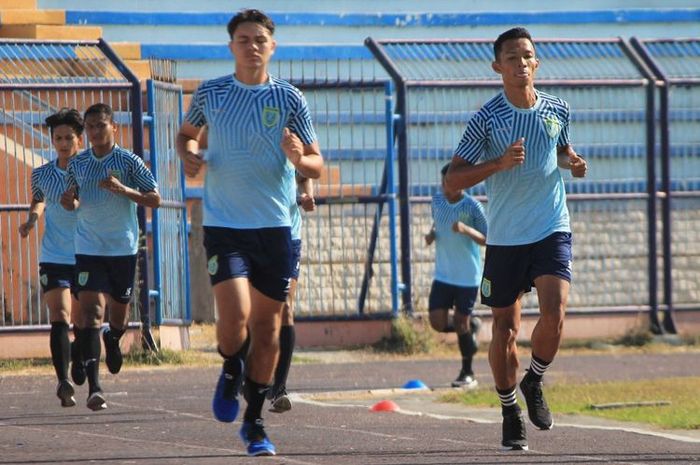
(77,368)
(465,380)
(96,401)
(537,408)
(113,354)
(280,400)
(514,433)
(65,391)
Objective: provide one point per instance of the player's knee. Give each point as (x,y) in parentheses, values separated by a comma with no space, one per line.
(505,328)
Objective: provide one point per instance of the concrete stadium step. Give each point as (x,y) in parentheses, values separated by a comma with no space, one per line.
(27,16)
(50,32)
(17,4)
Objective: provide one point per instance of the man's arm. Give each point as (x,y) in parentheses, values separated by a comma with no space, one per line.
(568,159)
(149,199)
(463,175)
(306,158)
(305,187)
(470,232)
(187,146)
(35,211)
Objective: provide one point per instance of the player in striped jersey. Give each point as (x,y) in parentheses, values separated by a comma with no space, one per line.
(57,256)
(105,183)
(259,132)
(303,196)
(459,228)
(516,143)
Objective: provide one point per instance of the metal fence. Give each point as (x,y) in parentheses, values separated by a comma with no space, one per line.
(171,278)
(634,120)
(441,83)
(36,79)
(676,63)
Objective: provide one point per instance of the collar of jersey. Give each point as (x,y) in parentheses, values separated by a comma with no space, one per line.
(242,85)
(535,107)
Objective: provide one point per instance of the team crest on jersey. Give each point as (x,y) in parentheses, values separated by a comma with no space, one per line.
(44,278)
(552,126)
(270,117)
(486,287)
(83,277)
(213,265)
(116,173)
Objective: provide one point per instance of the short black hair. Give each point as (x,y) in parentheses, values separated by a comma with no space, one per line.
(68,116)
(100,109)
(250,16)
(514,33)
(444,169)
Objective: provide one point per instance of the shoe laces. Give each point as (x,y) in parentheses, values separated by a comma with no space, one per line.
(538,398)
(256,431)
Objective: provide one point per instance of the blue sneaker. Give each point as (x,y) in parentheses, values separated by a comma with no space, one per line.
(225,402)
(255,439)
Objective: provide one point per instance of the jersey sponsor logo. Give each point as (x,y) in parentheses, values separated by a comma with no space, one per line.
(486,287)
(270,116)
(213,265)
(83,277)
(44,278)
(552,126)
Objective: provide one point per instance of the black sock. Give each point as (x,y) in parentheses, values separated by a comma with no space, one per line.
(116,333)
(254,394)
(232,363)
(509,400)
(467,348)
(537,368)
(448,329)
(60,348)
(287,337)
(91,348)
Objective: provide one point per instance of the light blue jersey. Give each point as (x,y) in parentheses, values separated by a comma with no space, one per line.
(107,223)
(57,246)
(249,179)
(295,215)
(457,257)
(525,203)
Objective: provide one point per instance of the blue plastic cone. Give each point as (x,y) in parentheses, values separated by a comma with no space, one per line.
(415,384)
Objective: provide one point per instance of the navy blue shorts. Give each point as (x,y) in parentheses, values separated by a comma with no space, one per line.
(107,274)
(264,256)
(511,270)
(444,296)
(296,258)
(56,275)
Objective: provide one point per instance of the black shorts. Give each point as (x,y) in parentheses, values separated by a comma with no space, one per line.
(111,275)
(444,296)
(56,275)
(511,270)
(264,256)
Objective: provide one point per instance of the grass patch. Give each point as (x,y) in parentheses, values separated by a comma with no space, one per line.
(162,357)
(408,336)
(683,413)
(21,364)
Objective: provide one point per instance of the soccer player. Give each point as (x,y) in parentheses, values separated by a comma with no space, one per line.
(278,393)
(517,142)
(105,183)
(259,133)
(57,256)
(459,228)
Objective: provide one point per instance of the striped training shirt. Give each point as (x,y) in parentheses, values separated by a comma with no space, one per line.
(57,243)
(107,222)
(527,202)
(249,179)
(457,257)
